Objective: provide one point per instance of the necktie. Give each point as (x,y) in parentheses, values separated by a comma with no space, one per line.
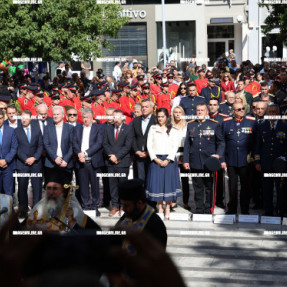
(117,134)
(28,135)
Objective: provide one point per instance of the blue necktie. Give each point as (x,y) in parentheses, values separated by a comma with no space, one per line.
(28,135)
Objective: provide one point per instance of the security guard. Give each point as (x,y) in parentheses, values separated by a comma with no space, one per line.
(240,135)
(211,91)
(203,139)
(190,103)
(226,106)
(271,143)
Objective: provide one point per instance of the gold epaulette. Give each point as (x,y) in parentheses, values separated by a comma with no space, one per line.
(257,157)
(256,95)
(271,95)
(250,118)
(228,119)
(223,115)
(191,121)
(213,120)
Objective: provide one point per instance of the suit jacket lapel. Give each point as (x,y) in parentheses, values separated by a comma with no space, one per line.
(63,137)
(149,124)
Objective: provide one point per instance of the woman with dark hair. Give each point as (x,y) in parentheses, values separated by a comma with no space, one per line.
(163,182)
(181,93)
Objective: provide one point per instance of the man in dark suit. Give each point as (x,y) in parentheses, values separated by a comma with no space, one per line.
(87,146)
(140,128)
(58,139)
(12,120)
(30,147)
(117,145)
(43,119)
(72,117)
(8,150)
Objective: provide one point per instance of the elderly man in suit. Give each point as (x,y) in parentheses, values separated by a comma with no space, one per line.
(140,128)
(87,146)
(29,160)
(117,145)
(8,150)
(58,143)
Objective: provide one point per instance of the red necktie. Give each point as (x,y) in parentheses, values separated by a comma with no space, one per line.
(117,133)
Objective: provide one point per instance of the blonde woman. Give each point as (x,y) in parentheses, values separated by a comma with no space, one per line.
(179,123)
(3,107)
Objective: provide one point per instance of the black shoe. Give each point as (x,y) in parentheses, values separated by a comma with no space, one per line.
(220,205)
(98,214)
(187,207)
(207,211)
(230,212)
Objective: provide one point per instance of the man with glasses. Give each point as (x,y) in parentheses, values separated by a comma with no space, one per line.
(155,88)
(226,107)
(172,86)
(189,103)
(72,117)
(240,135)
(8,150)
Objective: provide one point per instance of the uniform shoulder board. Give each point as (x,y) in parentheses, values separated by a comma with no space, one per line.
(191,121)
(227,119)
(223,115)
(250,118)
(256,95)
(223,103)
(271,95)
(201,97)
(213,120)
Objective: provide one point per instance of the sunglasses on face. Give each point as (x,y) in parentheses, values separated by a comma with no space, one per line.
(72,115)
(3,108)
(183,88)
(240,109)
(170,77)
(253,107)
(146,88)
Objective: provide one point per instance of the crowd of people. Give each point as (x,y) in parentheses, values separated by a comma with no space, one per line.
(167,124)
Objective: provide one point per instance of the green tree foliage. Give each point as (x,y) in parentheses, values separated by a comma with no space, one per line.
(277,18)
(55,29)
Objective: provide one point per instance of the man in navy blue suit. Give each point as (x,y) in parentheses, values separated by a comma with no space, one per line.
(58,143)
(117,145)
(12,120)
(87,146)
(8,150)
(29,160)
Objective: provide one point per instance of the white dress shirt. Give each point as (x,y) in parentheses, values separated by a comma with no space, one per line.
(59,130)
(41,125)
(14,126)
(145,123)
(160,143)
(86,139)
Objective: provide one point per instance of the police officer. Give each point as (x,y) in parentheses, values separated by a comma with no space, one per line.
(271,143)
(211,91)
(190,103)
(203,139)
(239,134)
(226,106)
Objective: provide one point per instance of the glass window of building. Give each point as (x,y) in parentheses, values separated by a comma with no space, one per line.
(180,42)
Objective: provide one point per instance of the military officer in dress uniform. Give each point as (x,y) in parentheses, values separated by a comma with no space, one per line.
(189,103)
(213,108)
(203,139)
(263,93)
(240,135)
(226,106)
(211,91)
(271,143)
